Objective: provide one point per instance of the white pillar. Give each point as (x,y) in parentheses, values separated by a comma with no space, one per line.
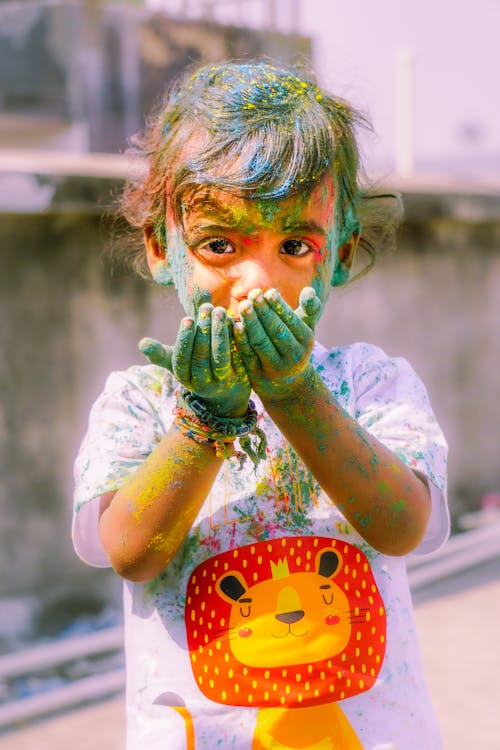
(405,112)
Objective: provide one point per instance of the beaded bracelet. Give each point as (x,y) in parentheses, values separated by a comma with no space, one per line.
(200,424)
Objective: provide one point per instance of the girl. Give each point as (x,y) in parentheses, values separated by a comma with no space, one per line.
(257,492)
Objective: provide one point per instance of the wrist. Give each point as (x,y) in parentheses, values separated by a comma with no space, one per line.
(226,407)
(293,388)
(194,419)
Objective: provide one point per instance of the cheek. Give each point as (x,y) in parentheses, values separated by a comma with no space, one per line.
(332,620)
(321,282)
(181,270)
(326,261)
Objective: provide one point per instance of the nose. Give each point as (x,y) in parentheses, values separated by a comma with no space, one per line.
(258,273)
(290,617)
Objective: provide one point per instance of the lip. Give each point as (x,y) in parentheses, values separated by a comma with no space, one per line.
(290,633)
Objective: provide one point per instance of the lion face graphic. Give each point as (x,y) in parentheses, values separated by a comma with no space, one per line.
(292,622)
(290,618)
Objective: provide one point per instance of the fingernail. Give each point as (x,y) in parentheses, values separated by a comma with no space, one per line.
(219,314)
(246,307)
(256,295)
(272,294)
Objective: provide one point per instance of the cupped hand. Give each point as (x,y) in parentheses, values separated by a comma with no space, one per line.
(275,342)
(204,359)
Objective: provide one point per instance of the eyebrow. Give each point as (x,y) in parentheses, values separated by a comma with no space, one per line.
(223,218)
(302,227)
(213,209)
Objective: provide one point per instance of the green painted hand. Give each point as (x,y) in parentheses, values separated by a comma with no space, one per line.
(275,342)
(205,360)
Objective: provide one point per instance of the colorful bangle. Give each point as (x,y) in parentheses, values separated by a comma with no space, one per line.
(232,427)
(196,421)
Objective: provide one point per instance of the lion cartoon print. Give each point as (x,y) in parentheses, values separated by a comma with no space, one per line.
(290,627)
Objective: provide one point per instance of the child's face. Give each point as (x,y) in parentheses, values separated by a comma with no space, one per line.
(229,246)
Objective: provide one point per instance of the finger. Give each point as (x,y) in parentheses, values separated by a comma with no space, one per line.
(310,307)
(181,357)
(280,335)
(300,330)
(244,350)
(221,355)
(157,353)
(236,360)
(201,364)
(257,335)
(237,363)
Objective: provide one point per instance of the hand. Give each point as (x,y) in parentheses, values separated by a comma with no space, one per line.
(204,360)
(275,342)
(310,307)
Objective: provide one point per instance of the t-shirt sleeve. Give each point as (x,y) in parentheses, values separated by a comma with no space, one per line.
(124,426)
(393,405)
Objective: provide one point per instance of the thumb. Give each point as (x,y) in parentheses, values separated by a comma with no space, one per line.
(309,309)
(157,353)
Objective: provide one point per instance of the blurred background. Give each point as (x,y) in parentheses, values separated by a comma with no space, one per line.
(76,80)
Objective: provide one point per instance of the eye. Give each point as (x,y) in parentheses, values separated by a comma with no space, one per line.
(328,597)
(294,247)
(245,610)
(218,246)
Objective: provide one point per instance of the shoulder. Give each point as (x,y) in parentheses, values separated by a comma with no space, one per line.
(135,397)
(147,386)
(126,421)
(151,380)
(364,368)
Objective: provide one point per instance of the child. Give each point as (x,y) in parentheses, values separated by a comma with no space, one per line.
(257,492)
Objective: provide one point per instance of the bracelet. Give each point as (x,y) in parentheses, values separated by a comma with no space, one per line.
(231,427)
(200,424)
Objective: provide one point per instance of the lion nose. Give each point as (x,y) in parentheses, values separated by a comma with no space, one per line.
(291,617)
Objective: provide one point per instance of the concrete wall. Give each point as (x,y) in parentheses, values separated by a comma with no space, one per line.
(67,321)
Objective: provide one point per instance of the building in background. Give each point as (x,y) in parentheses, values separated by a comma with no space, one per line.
(425,74)
(79,76)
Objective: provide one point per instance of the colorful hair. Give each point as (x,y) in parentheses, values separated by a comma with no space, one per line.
(254,129)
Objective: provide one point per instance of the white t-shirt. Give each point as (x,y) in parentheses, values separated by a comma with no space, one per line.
(275,618)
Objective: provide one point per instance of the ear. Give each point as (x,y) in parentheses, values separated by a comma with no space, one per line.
(345,259)
(157,258)
(231,586)
(328,562)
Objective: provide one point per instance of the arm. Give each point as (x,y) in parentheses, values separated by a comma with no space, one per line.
(143,524)
(385,500)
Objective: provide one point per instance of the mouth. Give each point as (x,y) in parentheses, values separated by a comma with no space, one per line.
(290,632)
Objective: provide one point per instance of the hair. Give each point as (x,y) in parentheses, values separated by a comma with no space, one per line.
(258,131)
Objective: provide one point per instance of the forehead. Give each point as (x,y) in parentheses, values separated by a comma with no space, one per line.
(213,205)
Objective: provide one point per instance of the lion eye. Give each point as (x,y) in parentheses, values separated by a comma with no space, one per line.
(245,611)
(328,597)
